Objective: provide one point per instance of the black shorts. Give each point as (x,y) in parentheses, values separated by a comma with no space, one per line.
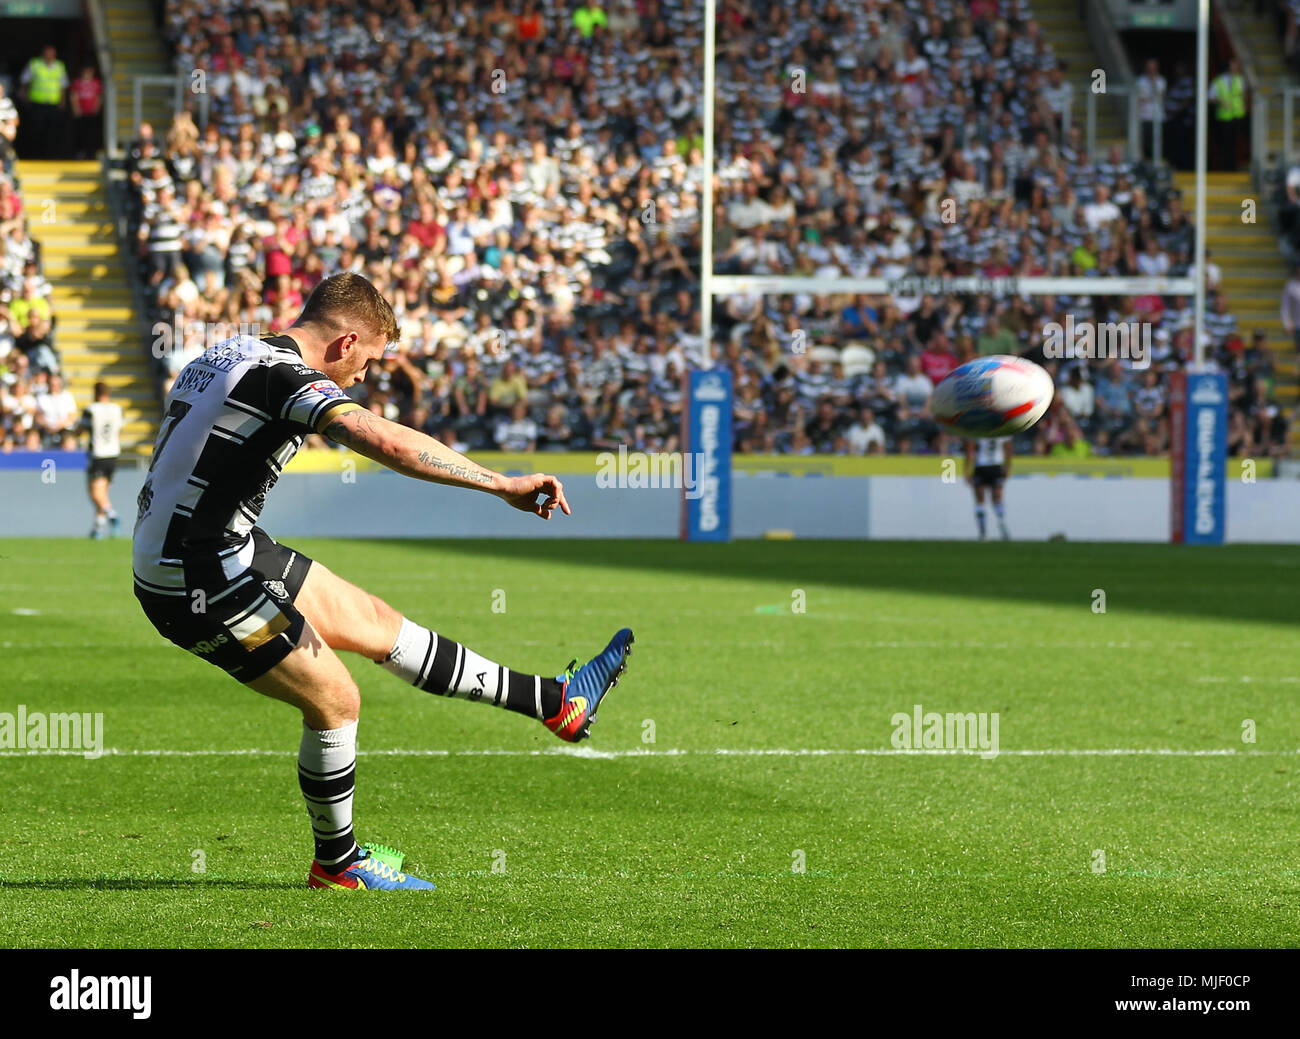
(989,476)
(244,626)
(101,467)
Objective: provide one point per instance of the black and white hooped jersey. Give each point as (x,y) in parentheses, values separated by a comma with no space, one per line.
(103,421)
(990,451)
(234,418)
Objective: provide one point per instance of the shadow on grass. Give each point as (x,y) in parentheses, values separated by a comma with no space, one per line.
(145,884)
(1234,582)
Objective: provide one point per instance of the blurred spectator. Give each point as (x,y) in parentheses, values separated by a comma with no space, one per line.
(1058,94)
(912,389)
(87,102)
(1219,323)
(1287,14)
(1079,398)
(937,359)
(1291,306)
(1227,94)
(56,410)
(32,301)
(865,437)
(588,18)
(1151,101)
(1113,401)
(1059,435)
(35,342)
(1180,118)
(46,81)
(996,340)
(1149,398)
(8,131)
(825,431)
(517,433)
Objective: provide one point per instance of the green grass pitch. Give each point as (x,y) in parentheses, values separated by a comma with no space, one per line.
(626,842)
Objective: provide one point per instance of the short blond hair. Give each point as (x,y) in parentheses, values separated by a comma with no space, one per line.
(346,299)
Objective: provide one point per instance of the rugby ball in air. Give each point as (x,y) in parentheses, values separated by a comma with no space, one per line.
(994,396)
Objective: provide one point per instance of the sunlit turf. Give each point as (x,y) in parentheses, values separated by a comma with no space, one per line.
(646,835)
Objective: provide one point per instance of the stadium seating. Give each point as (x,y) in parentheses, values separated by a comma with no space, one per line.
(553,184)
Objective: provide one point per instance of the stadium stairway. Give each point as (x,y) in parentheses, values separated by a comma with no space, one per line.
(97,326)
(137,50)
(1266,274)
(1065,31)
(1265,44)
(1253,270)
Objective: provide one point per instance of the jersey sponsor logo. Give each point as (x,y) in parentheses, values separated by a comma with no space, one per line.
(303,369)
(144,501)
(194,378)
(207,646)
(224,357)
(326,388)
(276,588)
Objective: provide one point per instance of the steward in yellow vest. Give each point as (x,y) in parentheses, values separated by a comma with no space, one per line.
(44,126)
(46,79)
(1228,93)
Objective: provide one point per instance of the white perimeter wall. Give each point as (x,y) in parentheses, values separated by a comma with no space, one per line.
(387,505)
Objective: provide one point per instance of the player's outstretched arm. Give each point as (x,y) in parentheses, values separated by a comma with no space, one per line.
(412,453)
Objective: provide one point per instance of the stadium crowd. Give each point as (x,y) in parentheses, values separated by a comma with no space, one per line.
(36,410)
(523,180)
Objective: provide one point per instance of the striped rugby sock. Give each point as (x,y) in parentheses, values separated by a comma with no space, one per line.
(436,664)
(327,770)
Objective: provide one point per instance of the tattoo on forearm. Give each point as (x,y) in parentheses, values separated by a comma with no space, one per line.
(352,429)
(460,472)
(357,429)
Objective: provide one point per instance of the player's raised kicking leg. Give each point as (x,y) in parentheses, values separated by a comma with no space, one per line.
(339,615)
(351,619)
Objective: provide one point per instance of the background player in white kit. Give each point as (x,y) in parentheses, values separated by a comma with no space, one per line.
(102,420)
(988,464)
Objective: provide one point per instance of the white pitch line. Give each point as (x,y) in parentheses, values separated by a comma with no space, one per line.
(36,646)
(979,644)
(725,752)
